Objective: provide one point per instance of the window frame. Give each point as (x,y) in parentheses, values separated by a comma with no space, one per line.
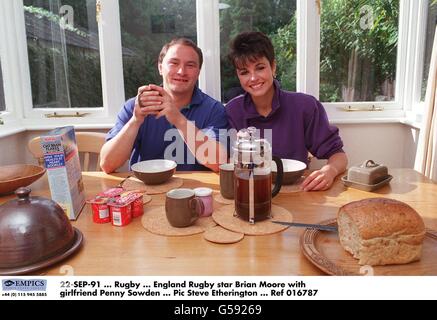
(337,111)
(16,76)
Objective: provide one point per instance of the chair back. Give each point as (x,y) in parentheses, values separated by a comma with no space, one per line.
(88,145)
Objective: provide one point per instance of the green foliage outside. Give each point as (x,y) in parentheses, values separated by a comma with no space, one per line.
(342,39)
(357,58)
(344,44)
(136,33)
(49,67)
(274,18)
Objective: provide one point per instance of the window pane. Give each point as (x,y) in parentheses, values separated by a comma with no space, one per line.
(63,53)
(358,50)
(277,19)
(146,25)
(430,30)
(2,92)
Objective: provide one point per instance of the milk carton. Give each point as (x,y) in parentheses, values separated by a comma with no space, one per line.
(61,159)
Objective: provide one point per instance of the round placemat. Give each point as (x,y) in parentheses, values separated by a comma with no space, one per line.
(136,184)
(146,198)
(224,217)
(155,221)
(219,198)
(220,235)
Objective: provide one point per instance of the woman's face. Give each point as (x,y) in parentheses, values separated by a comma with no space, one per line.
(256,77)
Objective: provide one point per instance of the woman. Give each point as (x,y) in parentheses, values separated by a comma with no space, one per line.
(298,121)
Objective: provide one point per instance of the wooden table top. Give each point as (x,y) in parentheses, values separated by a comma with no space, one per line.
(132,250)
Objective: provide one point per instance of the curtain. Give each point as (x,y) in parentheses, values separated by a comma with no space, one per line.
(426,157)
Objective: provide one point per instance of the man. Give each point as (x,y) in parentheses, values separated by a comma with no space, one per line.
(146,125)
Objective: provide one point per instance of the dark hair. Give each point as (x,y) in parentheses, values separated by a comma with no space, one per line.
(185,42)
(250,46)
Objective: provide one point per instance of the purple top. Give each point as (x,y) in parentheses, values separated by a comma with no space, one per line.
(298,121)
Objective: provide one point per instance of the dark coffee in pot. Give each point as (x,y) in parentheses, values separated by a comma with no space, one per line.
(262,195)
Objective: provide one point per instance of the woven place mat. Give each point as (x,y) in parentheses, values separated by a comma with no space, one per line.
(155,221)
(221,235)
(146,198)
(224,217)
(136,184)
(219,198)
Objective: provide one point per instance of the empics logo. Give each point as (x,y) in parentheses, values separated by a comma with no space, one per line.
(24,285)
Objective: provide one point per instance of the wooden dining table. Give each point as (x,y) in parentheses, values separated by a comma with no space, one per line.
(132,250)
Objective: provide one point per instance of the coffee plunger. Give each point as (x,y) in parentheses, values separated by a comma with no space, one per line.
(252,176)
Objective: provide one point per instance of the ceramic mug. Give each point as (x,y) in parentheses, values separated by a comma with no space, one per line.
(205,194)
(182,207)
(227,180)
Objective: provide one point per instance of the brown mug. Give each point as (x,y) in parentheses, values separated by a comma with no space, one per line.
(182,207)
(227,180)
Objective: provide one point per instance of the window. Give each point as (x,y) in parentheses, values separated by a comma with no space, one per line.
(57,55)
(63,51)
(430,31)
(358,50)
(146,25)
(2,92)
(277,19)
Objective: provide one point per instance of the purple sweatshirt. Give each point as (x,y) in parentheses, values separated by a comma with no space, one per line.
(298,121)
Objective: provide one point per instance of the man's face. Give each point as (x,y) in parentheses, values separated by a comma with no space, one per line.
(180,69)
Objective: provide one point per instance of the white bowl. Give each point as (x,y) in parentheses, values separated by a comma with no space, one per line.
(293,170)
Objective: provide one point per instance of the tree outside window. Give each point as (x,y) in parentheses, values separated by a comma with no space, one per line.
(358,50)
(2,92)
(274,18)
(146,25)
(430,30)
(63,50)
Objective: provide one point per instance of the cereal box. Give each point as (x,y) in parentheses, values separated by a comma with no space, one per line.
(61,159)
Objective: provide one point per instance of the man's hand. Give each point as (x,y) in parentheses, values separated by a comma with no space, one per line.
(147,102)
(168,107)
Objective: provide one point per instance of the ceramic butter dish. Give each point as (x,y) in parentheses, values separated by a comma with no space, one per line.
(369,173)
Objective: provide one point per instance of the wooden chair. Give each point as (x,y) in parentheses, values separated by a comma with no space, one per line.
(88,143)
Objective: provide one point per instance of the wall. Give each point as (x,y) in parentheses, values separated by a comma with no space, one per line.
(17,152)
(391,144)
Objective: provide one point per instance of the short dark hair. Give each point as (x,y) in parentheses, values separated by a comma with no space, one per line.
(185,42)
(250,46)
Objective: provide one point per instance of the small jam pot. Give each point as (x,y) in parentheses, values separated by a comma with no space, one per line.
(100,207)
(137,206)
(121,208)
(121,215)
(100,212)
(205,195)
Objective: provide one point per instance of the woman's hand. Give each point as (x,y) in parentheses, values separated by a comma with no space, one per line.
(323,179)
(320,180)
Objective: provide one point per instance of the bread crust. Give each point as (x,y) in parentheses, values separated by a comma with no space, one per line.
(382,217)
(380,231)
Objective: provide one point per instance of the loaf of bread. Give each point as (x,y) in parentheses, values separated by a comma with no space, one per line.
(381,231)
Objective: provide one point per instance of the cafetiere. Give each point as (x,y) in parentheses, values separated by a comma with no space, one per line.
(252,176)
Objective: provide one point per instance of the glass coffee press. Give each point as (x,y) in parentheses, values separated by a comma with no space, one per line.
(252,176)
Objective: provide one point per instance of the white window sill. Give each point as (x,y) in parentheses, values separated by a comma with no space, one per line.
(14,127)
(364,121)
(11,128)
